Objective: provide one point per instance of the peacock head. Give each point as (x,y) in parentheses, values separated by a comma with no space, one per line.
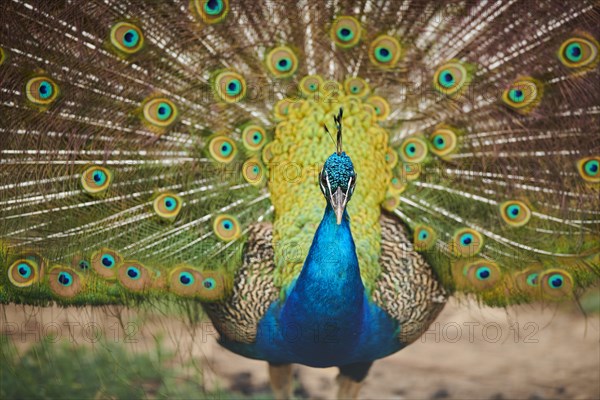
(338,177)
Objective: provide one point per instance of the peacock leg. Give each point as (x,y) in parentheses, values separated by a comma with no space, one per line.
(351,378)
(281,380)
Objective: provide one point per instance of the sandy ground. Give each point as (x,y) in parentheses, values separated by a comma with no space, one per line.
(530,352)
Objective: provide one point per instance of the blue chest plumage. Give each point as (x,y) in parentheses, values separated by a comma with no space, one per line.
(326,318)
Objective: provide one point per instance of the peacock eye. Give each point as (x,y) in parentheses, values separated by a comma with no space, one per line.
(310,84)
(230,86)
(167,206)
(186,278)
(483,273)
(96,180)
(556,283)
(41,91)
(254,137)
(209,283)
(523,94)
(357,86)
(159,112)
(282,62)
(467,242)
(443,141)
(578,52)
(450,77)
(127,38)
(253,171)
(133,272)
(346,32)
(532,279)
(107,260)
(65,278)
(589,169)
(227,227)
(385,51)
(222,149)
(211,11)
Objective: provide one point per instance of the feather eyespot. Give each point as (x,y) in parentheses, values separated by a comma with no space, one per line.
(523,95)
(96,180)
(159,112)
(211,11)
(397,185)
(104,262)
(222,149)
(254,137)
(381,106)
(532,279)
(515,213)
(385,51)
(41,91)
(65,278)
(167,206)
(589,169)
(79,262)
(391,157)
(443,142)
(579,52)
(230,86)
(346,32)
(133,272)
(424,238)
(209,284)
(528,280)
(391,201)
(226,227)
(64,282)
(413,150)
(185,281)
(282,62)
(282,108)
(466,242)
(253,171)
(23,273)
(311,84)
(450,78)
(213,286)
(482,274)
(134,276)
(357,87)
(556,283)
(126,37)
(267,153)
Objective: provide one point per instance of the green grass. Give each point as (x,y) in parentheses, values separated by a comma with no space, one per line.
(63,371)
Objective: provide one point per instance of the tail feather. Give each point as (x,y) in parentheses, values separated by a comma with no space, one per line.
(494,126)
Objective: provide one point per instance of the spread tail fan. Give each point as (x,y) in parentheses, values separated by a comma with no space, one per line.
(176,149)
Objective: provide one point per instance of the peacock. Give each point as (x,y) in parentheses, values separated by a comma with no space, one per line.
(319,175)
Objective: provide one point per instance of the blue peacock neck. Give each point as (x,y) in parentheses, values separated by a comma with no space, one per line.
(329,293)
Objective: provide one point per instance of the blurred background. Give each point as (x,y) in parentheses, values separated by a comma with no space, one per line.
(470,352)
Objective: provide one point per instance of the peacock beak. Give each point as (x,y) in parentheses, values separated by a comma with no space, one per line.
(339,199)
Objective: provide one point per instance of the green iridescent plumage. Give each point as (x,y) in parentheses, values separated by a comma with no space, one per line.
(148,150)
